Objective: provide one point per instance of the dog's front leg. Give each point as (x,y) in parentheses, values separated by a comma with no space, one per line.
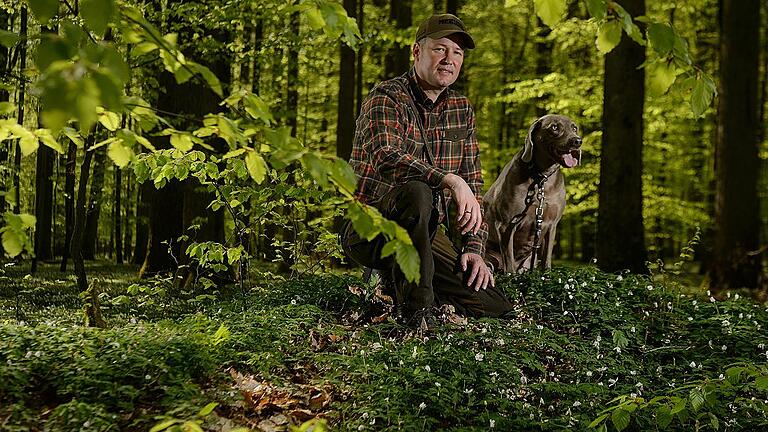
(506,234)
(548,247)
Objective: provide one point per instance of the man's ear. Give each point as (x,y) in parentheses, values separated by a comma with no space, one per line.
(416,50)
(528,149)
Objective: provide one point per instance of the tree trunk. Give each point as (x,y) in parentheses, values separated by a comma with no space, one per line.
(345,126)
(620,232)
(452,6)
(142,223)
(736,262)
(6,23)
(92,309)
(360,51)
(43,205)
(94,205)
(543,60)
(69,202)
(438,7)
(398,58)
(165,226)
(20,108)
(118,220)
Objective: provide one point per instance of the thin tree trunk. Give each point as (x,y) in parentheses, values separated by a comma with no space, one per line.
(6,23)
(94,205)
(20,107)
(69,202)
(438,7)
(141,244)
(398,58)
(360,52)
(737,262)
(620,232)
(345,126)
(118,221)
(92,309)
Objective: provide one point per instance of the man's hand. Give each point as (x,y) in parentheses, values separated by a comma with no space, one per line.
(480,276)
(468,217)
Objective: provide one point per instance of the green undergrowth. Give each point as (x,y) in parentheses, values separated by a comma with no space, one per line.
(587,350)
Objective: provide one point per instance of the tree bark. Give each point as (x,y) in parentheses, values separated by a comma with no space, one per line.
(345,123)
(43,205)
(360,52)
(92,309)
(141,244)
(69,202)
(736,261)
(398,58)
(20,108)
(620,231)
(94,204)
(118,221)
(6,23)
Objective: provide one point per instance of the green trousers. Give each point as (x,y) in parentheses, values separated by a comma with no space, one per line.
(414,207)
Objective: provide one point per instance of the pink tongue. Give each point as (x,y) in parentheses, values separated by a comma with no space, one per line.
(569,160)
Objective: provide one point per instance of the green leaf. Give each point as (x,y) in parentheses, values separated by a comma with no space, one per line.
(661,76)
(619,339)
(317,167)
(108,119)
(315,18)
(190,426)
(597,8)
(256,165)
(598,420)
(620,419)
(362,222)
(663,416)
(12,243)
(344,176)
(550,11)
(163,425)
(44,10)
(680,404)
(210,407)
(143,48)
(733,374)
(182,141)
(714,421)
(27,220)
(97,13)
(8,39)
(7,108)
(45,136)
(696,398)
(120,154)
(608,36)
(258,109)
(209,77)
(234,153)
(73,136)
(408,261)
(233,255)
(662,38)
(761,382)
(28,142)
(701,97)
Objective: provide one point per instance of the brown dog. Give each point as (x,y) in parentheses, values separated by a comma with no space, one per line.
(530,185)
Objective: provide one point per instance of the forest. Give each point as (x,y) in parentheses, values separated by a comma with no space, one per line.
(174,176)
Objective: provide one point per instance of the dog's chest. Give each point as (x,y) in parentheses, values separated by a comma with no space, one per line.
(525,232)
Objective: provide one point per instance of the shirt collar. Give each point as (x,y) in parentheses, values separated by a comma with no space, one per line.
(418,94)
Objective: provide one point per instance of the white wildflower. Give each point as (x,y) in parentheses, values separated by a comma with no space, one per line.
(589,373)
(577,404)
(693,364)
(422,406)
(427,368)
(479,357)
(619,278)
(493,423)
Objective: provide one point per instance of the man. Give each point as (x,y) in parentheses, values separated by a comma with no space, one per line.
(415,154)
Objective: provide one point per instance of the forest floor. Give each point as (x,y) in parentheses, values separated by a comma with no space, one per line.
(587,350)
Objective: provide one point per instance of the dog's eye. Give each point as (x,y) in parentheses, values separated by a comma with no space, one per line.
(575,128)
(554,128)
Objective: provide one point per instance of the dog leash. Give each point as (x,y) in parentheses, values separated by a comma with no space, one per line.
(539,212)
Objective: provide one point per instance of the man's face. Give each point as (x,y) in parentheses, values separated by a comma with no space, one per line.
(438,61)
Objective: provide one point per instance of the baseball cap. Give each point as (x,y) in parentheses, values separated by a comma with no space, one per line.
(440,26)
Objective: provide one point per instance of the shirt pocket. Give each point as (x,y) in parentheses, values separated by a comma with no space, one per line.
(452,148)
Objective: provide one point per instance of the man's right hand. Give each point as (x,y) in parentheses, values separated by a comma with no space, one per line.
(468,217)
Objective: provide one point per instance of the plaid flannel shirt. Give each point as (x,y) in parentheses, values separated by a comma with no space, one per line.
(389,149)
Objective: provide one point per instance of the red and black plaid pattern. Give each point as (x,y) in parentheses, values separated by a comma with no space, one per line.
(389,149)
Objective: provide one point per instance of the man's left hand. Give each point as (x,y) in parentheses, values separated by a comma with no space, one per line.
(480,276)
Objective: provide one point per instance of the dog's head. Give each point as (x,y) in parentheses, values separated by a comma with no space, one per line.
(556,135)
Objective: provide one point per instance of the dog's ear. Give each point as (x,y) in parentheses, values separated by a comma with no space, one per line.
(528,149)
